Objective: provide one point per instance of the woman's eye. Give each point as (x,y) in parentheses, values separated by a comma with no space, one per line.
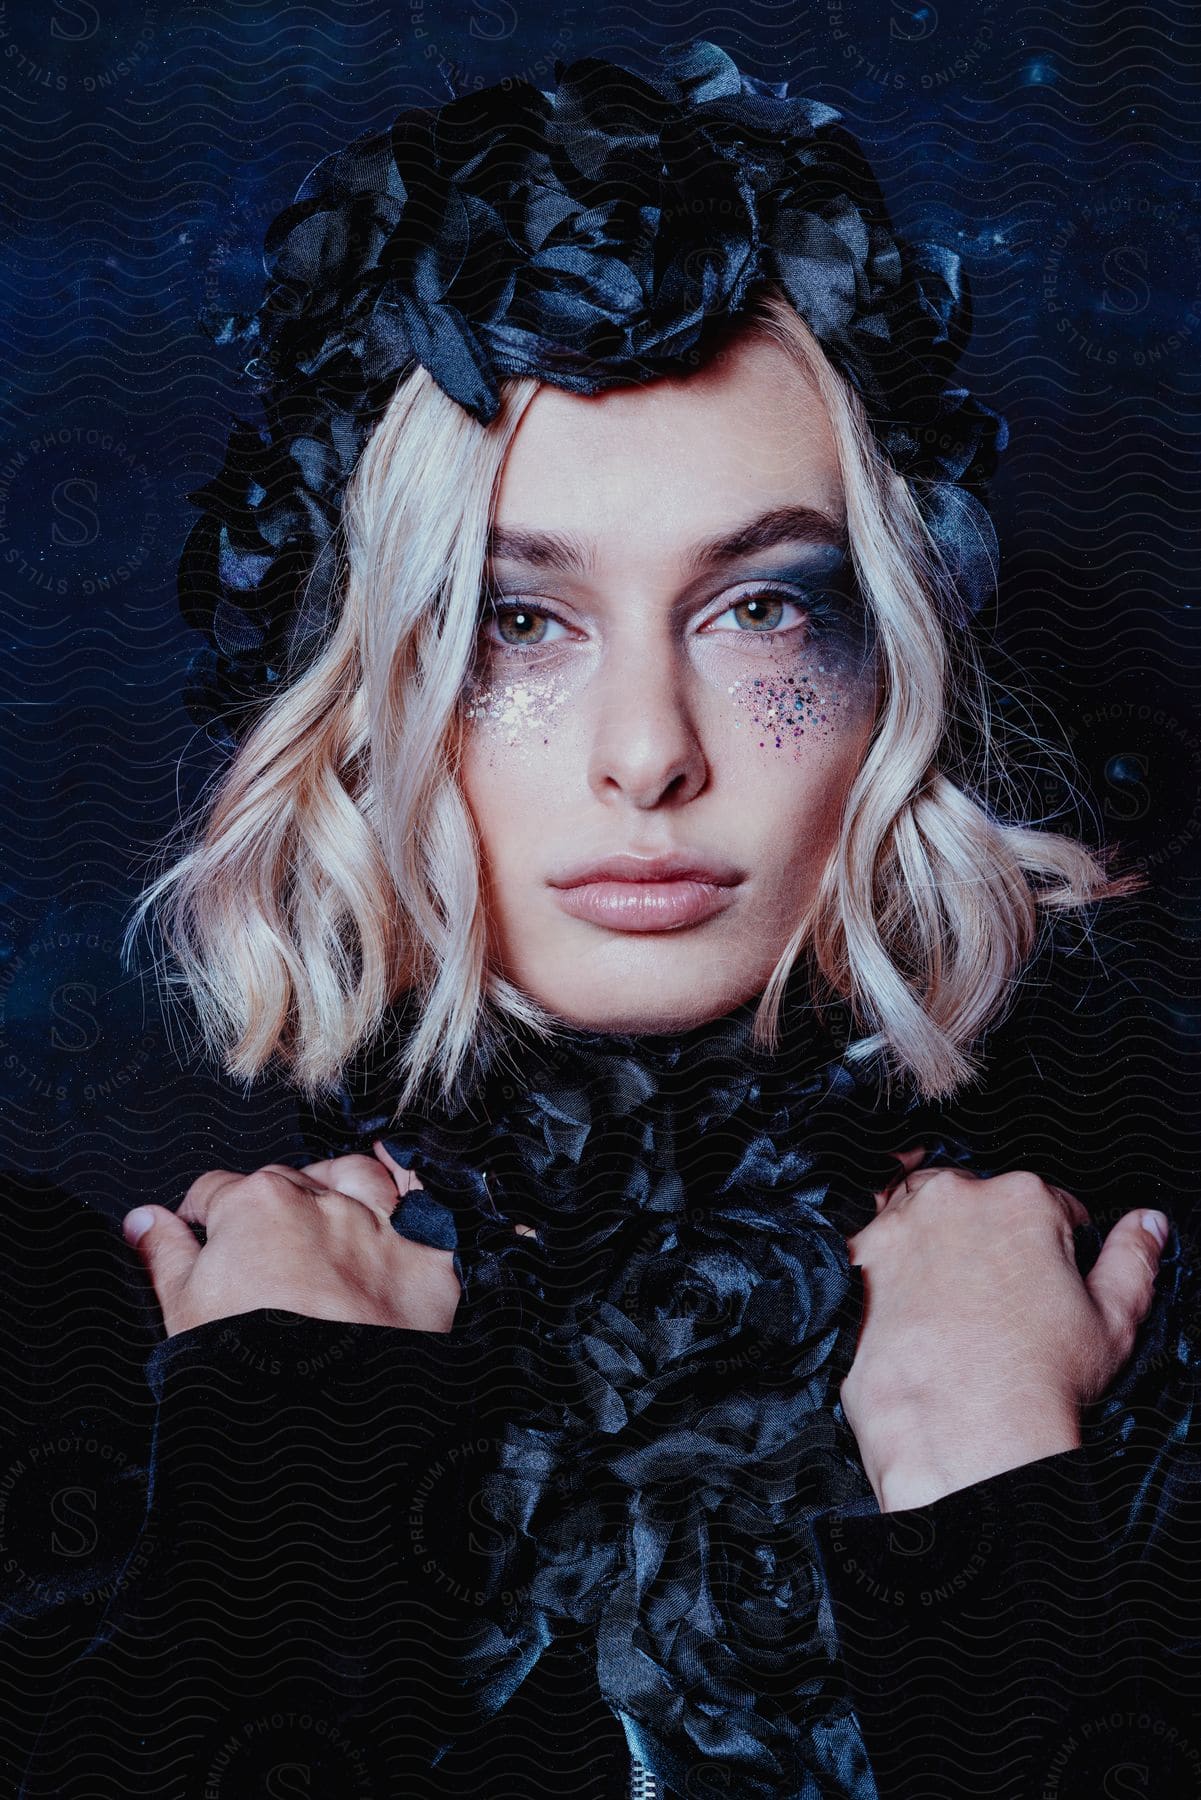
(522,627)
(761,614)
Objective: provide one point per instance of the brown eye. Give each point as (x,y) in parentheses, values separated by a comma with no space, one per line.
(762,610)
(518,625)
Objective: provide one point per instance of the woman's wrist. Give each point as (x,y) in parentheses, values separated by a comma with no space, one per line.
(943,1449)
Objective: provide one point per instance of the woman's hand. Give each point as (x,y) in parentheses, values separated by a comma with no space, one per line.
(314,1240)
(980,1339)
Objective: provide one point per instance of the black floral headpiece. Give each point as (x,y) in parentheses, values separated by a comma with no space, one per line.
(590,236)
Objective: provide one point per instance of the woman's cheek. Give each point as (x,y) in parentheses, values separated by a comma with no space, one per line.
(513,715)
(798,703)
(784,702)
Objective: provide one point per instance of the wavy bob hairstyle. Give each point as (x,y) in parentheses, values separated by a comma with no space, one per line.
(335,865)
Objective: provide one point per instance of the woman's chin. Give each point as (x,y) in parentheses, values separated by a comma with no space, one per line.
(642,1006)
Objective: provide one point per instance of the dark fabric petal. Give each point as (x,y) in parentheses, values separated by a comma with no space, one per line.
(685,1315)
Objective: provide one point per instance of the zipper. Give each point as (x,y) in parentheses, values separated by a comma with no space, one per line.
(643,1785)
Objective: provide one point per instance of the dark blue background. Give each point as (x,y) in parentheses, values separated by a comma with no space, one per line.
(146,149)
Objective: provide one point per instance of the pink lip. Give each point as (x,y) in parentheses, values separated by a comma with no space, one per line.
(632,893)
(644,905)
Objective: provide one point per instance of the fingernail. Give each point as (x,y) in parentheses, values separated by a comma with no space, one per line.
(1158,1226)
(137,1223)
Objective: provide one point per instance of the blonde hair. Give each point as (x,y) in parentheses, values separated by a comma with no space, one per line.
(336,864)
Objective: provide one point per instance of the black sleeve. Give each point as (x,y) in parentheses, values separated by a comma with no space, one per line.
(1016,1639)
(290,1615)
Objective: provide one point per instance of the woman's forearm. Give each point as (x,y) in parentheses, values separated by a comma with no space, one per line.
(936,1451)
(990,1637)
(292,1560)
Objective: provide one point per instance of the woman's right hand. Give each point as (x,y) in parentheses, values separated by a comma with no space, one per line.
(315,1240)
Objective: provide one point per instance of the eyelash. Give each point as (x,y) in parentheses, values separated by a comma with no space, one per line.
(811,606)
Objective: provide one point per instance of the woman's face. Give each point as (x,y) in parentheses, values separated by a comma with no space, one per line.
(676,668)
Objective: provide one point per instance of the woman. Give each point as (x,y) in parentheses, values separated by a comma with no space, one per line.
(647,1395)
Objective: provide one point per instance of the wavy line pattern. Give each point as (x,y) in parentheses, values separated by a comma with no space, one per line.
(147,145)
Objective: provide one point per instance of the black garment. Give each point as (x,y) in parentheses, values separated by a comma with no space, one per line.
(317,1600)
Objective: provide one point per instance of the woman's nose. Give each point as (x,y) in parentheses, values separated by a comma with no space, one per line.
(646,745)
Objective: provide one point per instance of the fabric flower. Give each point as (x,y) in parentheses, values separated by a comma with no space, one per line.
(674,1335)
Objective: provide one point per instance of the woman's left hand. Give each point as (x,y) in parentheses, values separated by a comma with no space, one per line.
(980,1339)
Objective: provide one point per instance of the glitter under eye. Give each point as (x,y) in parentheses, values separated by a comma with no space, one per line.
(519,712)
(783,708)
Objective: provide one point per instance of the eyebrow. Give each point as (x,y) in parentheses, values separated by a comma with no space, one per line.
(574,555)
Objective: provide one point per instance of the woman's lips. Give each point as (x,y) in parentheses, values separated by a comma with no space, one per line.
(645,905)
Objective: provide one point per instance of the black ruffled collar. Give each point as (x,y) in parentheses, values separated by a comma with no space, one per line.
(680,1322)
